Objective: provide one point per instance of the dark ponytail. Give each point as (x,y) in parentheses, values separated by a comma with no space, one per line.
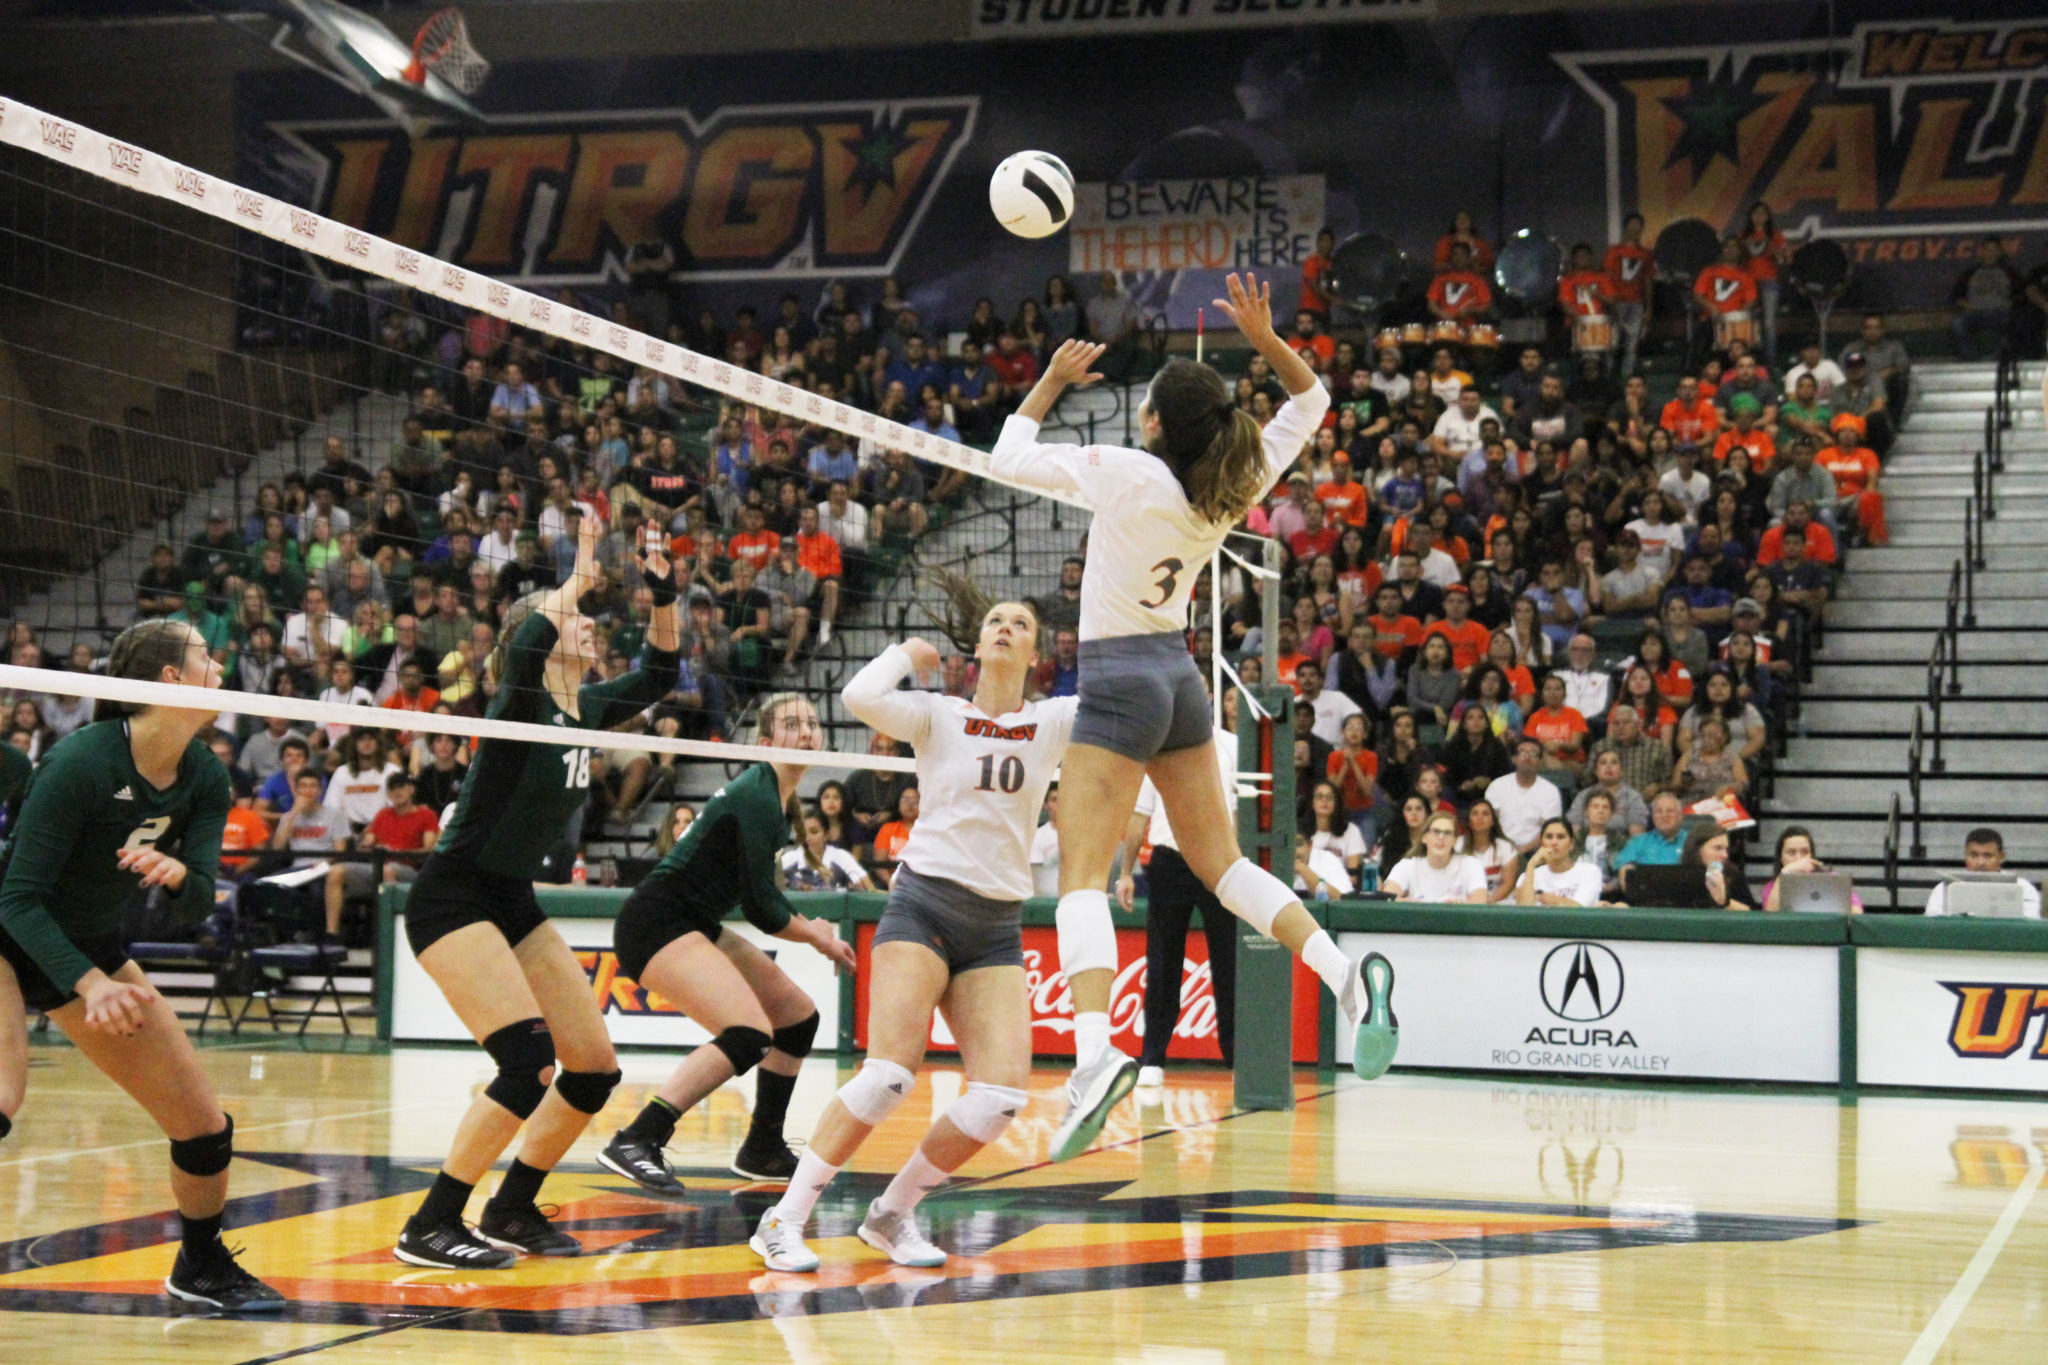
(1213,447)
(143,652)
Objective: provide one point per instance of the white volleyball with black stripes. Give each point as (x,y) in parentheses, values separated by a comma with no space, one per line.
(1032,194)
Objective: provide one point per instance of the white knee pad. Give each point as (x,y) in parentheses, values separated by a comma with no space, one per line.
(1087,934)
(985,1110)
(1253,894)
(875,1090)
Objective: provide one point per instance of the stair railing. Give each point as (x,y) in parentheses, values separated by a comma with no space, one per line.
(1891,852)
(1914,770)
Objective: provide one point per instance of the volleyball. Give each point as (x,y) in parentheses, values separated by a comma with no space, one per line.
(1032,194)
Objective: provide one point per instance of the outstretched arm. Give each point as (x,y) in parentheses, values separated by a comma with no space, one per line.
(1073,363)
(560,603)
(1250,306)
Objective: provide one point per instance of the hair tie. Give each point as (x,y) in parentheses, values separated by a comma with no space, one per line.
(1225,411)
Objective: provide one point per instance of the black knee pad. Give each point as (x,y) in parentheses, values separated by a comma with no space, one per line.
(208,1155)
(744,1047)
(6,1125)
(586,1091)
(796,1039)
(522,1051)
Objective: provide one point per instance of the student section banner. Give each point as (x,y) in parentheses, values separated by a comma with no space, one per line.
(1907,134)
(632,1013)
(1623,1008)
(1052,1004)
(1970,1020)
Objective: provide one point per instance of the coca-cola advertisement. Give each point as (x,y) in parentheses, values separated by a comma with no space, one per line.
(1052,1004)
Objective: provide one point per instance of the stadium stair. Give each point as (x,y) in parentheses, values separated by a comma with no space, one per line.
(1848,756)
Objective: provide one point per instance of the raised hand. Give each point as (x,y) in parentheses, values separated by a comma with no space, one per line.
(923,654)
(1250,305)
(1074,362)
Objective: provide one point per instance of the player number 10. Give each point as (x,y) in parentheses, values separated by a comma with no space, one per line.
(1009,776)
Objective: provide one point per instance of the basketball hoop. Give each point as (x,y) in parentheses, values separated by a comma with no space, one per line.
(443,47)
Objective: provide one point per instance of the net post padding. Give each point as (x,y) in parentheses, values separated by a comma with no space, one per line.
(137,692)
(442,46)
(94,153)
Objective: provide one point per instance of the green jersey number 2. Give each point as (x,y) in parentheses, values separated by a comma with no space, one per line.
(146,834)
(577,761)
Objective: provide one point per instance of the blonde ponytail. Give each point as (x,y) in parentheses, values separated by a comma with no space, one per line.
(1231,476)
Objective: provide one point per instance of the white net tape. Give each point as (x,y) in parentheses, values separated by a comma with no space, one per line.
(15,680)
(122,163)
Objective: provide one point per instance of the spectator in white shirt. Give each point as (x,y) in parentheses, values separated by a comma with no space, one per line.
(1439,875)
(1457,431)
(1587,690)
(1826,373)
(1331,706)
(842,519)
(1556,875)
(1984,851)
(1683,485)
(500,546)
(314,631)
(1522,800)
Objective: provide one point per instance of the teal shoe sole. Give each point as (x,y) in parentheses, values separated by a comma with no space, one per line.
(1090,1127)
(1378,1036)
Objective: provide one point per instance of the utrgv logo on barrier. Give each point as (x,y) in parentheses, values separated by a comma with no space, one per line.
(747,190)
(1991,1019)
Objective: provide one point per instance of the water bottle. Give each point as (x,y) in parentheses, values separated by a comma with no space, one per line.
(579,874)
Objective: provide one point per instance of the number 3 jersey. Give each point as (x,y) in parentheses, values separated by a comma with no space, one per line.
(981,779)
(1146,546)
(519,796)
(60,881)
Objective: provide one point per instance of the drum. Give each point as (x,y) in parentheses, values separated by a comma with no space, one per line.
(1483,336)
(1736,328)
(1686,247)
(1447,332)
(1365,273)
(1527,268)
(1592,333)
(1820,270)
(1386,339)
(1414,334)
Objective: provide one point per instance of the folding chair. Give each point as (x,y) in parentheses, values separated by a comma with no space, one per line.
(285,930)
(211,958)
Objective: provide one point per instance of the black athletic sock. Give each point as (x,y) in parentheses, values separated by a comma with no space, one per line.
(771,1105)
(201,1234)
(656,1123)
(444,1202)
(520,1186)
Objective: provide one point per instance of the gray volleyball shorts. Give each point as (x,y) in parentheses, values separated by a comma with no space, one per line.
(966,930)
(1141,695)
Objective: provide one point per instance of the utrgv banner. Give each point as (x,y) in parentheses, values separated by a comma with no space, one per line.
(1904,137)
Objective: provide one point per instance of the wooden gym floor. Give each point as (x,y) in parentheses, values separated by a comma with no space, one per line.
(1415,1219)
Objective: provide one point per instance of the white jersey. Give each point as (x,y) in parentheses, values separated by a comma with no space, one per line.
(981,779)
(1161,833)
(1146,546)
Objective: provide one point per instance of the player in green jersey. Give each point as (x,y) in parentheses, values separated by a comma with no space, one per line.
(476,927)
(133,800)
(670,940)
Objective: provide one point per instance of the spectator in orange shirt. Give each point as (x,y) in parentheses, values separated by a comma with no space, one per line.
(1820,542)
(1743,411)
(1315,538)
(1459,292)
(1726,286)
(1557,727)
(891,837)
(1313,297)
(1464,234)
(1584,291)
(1856,472)
(1689,417)
(1630,268)
(1765,248)
(1395,632)
(1346,501)
(412,695)
(1290,656)
(818,553)
(754,543)
(245,830)
(1309,337)
(1467,638)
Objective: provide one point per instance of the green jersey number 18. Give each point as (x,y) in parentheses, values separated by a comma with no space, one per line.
(577,761)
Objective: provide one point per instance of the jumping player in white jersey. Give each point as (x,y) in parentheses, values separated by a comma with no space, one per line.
(952,934)
(1160,513)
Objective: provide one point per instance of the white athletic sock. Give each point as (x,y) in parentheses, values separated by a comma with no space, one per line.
(1091,1037)
(813,1174)
(917,1179)
(1327,960)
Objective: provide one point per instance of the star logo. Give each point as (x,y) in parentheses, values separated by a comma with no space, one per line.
(1710,117)
(875,154)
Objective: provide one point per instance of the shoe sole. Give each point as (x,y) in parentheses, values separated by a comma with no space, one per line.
(414,1258)
(761,1177)
(1084,1132)
(257,1306)
(760,1248)
(1377,1037)
(879,1245)
(519,1250)
(604,1159)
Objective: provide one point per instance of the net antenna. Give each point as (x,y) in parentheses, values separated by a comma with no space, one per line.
(442,46)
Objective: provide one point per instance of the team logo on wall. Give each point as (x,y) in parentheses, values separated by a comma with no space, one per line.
(1919,136)
(1992,1018)
(561,199)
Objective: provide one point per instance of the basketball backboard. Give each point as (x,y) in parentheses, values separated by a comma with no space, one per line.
(359,52)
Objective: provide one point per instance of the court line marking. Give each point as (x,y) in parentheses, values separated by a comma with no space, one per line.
(1935,1333)
(253,1128)
(352,1337)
